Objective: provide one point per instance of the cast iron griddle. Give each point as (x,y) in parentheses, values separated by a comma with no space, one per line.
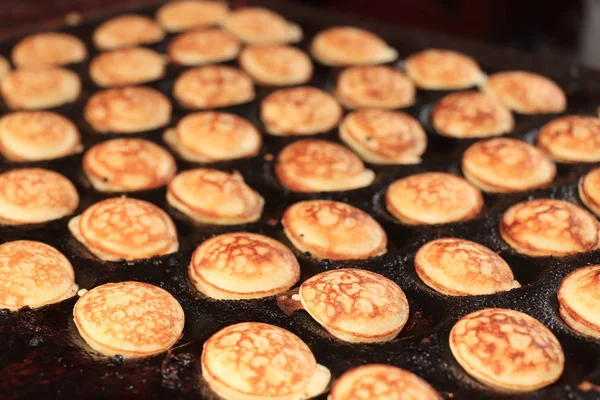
(42,355)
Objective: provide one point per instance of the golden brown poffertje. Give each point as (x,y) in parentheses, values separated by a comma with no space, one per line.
(184,15)
(127,165)
(34,274)
(549,227)
(300,111)
(311,165)
(213,86)
(128,109)
(35,195)
(203,47)
(507,350)
(132,319)
(467,115)
(440,69)
(4,67)
(504,165)
(333,230)
(48,49)
(276,65)
(257,361)
(122,228)
(26,89)
(209,136)
(258,25)
(127,31)
(579,300)
(589,190)
(211,196)
(526,92)
(127,67)
(381,382)
(374,86)
(433,198)
(348,46)
(243,265)
(384,137)
(37,135)
(571,139)
(459,267)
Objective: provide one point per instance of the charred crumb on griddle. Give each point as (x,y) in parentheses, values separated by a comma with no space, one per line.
(175,370)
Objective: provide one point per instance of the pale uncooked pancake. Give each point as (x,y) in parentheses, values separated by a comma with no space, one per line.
(440,69)
(34,274)
(505,165)
(35,195)
(183,15)
(122,228)
(127,165)
(589,190)
(549,227)
(311,165)
(571,139)
(374,86)
(243,265)
(48,49)
(526,92)
(132,319)
(579,300)
(332,230)
(212,87)
(300,111)
(129,109)
(348,45)
(127,67)
(384,137)
(127,31)
(258,25)
(215,197)
(203,47)
(507,350)
(26,89)
(37,135)
(276,65)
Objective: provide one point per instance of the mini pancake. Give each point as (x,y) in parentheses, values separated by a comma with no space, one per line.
(332,230)
(129,109)
(25,89)
(579,300)
(548,227)
(203,47)
(210,196)
(571,139)
(467,115)
(354,305)
(213,136)
(458,267)
(589,190)
(381,382)
(348,45)
(433,198)
(257,25)
(132,319)
(300,111)
(504,165)
(4,67)
(127,31)
(213,86)
(374,86)
(276,65)
(184,15)
(126,165)
(35,195)
(122,228)
(439,69)
(384,137)
(526,92)
(242,265)
(507,350)
(37,135)
(48,49)
(311,165)
(127,67)
(34,274)
(256,361)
